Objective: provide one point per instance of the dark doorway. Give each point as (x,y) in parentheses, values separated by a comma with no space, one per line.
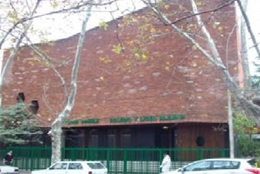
(165,137)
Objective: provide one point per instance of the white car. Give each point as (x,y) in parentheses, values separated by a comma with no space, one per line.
(74,167)
(5,169)
(218,166)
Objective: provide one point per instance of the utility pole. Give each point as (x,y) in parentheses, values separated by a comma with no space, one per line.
(230,123)
(1,64)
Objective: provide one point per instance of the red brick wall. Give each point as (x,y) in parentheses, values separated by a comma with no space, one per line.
(175,78)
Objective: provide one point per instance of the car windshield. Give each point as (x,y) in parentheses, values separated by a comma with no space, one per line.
(95,165)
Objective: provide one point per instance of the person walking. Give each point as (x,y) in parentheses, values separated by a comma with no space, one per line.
(8,159)
(166,163)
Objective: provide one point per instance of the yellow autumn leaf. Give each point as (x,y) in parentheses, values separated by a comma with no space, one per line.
(144,27)
(153,30)
(13,15)
(194,64)
(13,40)
(103,25)
(126,63)
(137,55)
(117,49)
(194,47)
(220,28)
(130,42)
(134,20)
(167,68)
(160,4)
(30,63)
(215,24)
(144,57)
(105,60)
(54,4)
(166,7)
(199,3)
(47,64)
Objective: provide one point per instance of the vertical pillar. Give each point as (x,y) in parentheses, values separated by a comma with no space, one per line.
(1,65)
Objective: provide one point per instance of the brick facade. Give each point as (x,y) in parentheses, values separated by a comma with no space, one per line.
(158,73)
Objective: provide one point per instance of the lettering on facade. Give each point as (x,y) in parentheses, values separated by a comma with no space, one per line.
(130,119)
(90,121)
(171,117)
(73,122)
(121,120)
(85,121)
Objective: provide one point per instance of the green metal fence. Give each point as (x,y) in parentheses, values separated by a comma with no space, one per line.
(117,160)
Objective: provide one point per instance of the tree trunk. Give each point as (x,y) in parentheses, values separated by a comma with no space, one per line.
(56,141)
(56,129)
(230,129)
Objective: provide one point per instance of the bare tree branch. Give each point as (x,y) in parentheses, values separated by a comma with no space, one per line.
(65,10)
(46,58)
(249,27)
(204,12)
(252,110)
(16,48)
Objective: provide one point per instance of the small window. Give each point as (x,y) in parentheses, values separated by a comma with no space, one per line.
(111,138)
(96,165)
(93,140)
(34,106)
(126,138)
(200,141)
(59,166)
(75,166)
(20,97)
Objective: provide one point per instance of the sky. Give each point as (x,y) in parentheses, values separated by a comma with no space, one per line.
(72,24)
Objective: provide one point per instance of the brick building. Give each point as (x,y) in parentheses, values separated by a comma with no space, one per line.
(159,91)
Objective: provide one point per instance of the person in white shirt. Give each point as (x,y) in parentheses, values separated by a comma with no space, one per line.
(166,163)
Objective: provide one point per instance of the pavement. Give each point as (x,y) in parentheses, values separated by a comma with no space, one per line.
(24,172)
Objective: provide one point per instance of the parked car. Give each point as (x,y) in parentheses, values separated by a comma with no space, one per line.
(74,167)
(5,169)
(219,166)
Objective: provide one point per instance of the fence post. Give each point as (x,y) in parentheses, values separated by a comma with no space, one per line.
(125,161)
(108,159)
(200,151)
(32,158)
